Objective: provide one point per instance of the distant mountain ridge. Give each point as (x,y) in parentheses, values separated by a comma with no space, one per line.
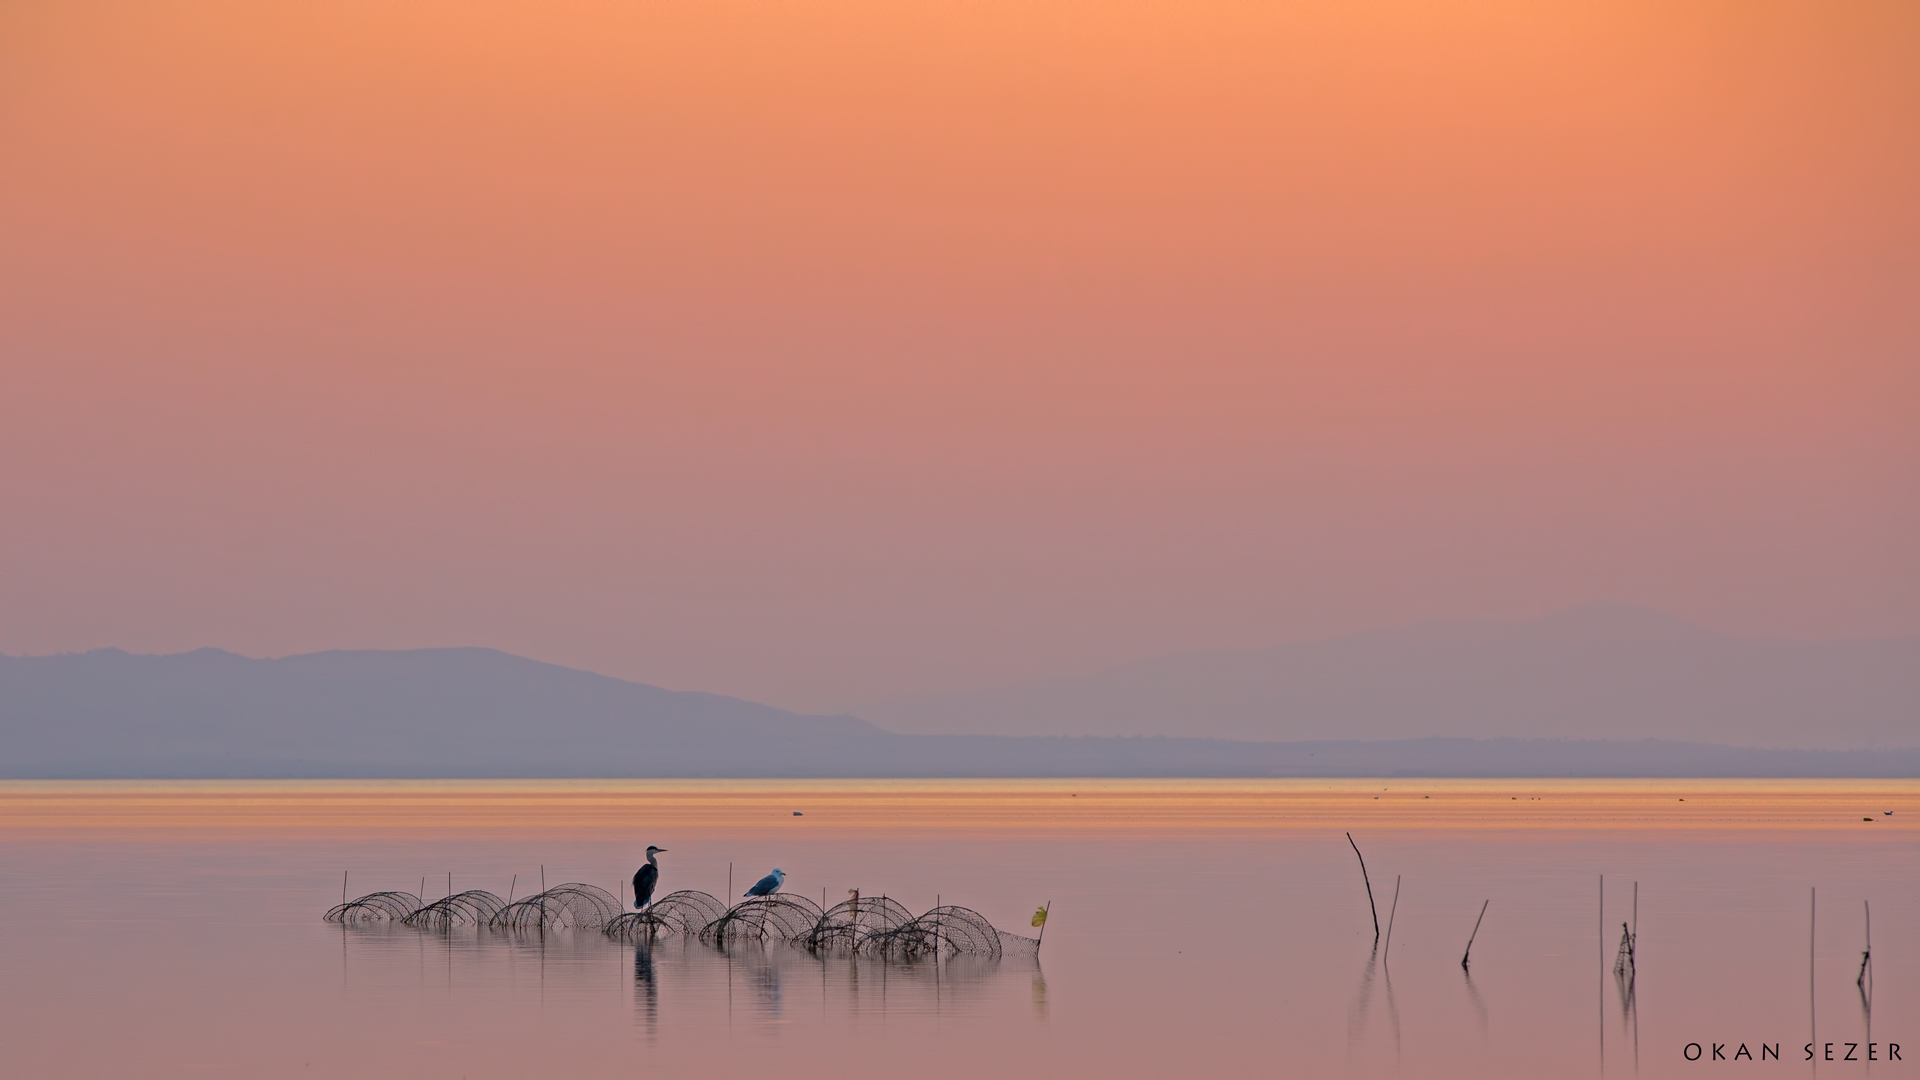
(482,713)
(1589,673)
(425,712)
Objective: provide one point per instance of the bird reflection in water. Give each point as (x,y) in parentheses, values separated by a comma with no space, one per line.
(764,972)
(646,987)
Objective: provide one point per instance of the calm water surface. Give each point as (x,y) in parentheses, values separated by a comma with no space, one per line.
(1198,927)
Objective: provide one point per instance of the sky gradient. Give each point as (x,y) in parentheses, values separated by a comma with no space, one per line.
(817,352)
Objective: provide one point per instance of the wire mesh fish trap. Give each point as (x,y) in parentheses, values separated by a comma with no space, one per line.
(684,913)
(853,920)
(945,931)
(1623,959)
(572,906)
(783,917)
(475,907)
(378,907)
(1017,945)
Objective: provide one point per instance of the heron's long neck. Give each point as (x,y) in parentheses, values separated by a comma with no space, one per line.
(650,861)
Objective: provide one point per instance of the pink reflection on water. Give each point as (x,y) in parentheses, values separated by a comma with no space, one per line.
(1196,928)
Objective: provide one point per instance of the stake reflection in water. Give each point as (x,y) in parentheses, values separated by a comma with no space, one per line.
(1479,1005)
(1864,983)
(1363,1003)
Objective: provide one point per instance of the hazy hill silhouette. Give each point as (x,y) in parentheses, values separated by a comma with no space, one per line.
(425,712)
(478,712)
(1589,673)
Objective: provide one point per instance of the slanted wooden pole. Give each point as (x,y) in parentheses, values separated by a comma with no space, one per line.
(1369,883)
(1475,934)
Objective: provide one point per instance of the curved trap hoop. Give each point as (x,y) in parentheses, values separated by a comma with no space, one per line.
(475,907)
(784,917)
(684,913)
(573,906)
(377,907)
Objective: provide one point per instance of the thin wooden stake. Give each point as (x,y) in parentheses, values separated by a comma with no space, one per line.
(1476,932)
(1866,957)
(343,886)
(1390,913)
(1369,883)
(510,885)
(1633,941)
(1037,942)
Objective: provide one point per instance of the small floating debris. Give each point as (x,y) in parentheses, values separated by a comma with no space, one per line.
(797,813)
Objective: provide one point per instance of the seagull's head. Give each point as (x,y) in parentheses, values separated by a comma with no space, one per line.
(779,873)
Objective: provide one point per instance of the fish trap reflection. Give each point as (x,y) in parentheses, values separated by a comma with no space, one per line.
(878,927)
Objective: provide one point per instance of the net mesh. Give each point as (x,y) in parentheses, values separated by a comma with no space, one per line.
(784,917)
(1017,945)
(855,919)
(379,907)
(1623,958)
(684,913)
(572,906)
(875,926)
(943,931)
(475,907)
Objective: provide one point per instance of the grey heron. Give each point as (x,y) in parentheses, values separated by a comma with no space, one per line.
(768,885)
(645,878)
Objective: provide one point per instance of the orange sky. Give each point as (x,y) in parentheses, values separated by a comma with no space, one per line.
(818,351)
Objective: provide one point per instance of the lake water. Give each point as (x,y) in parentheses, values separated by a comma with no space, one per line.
(1198,927)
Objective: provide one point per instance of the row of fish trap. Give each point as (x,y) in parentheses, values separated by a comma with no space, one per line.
(868,926)
(563,907)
